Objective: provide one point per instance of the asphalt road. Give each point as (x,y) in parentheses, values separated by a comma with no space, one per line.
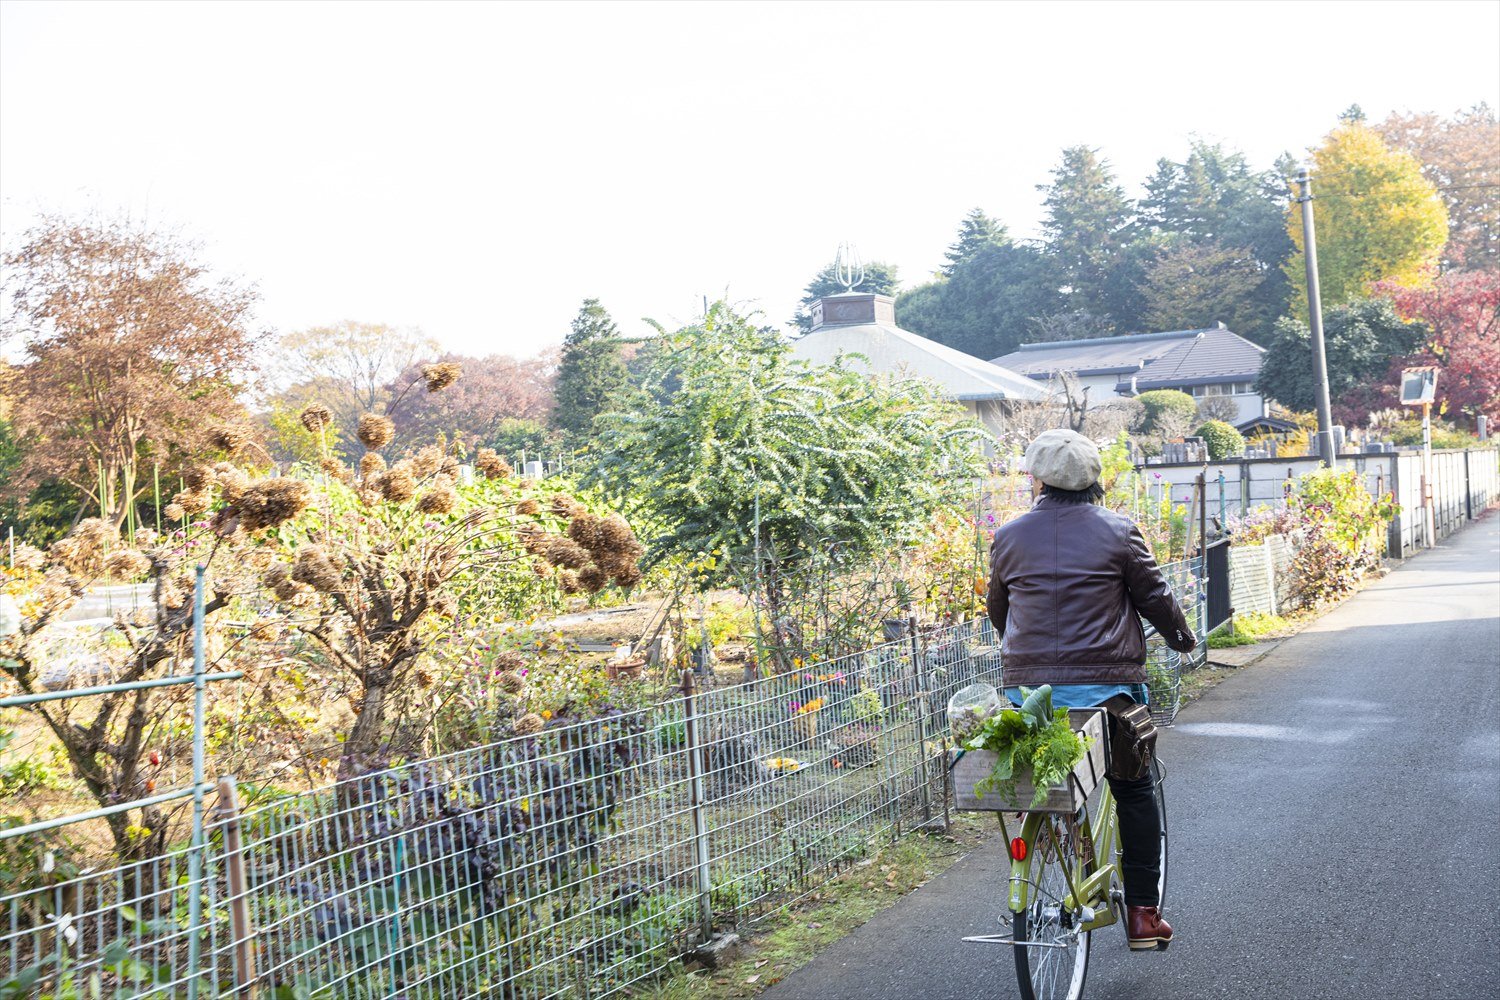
(1335,822)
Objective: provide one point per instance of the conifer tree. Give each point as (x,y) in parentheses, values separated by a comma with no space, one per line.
(591,368)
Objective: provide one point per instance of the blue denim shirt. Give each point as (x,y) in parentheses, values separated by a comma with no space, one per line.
(1087,695)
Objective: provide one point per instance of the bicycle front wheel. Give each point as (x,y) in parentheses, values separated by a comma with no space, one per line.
(1051,949)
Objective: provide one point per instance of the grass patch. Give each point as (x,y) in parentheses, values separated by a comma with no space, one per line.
(788,939)
(1248,629)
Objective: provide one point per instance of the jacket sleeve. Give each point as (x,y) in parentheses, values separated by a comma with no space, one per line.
(1151,595)
(997,599)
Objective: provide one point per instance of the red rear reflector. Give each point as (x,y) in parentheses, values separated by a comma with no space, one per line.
(1018,849)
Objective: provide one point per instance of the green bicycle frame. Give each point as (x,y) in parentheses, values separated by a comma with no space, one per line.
(1093,888)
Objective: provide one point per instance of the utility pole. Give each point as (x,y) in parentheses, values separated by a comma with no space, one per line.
(1315,315)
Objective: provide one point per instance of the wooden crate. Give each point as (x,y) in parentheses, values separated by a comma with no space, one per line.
(976,765)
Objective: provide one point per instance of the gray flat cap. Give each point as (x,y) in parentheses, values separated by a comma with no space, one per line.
(1064,459)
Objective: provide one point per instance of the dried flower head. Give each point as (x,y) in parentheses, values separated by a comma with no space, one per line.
(489,462)
(509,659)
(441,375)
(512,682)
(127,564)
(84,550)
(398,484)
(316,417)
(232,480)
(333,468)
(439,498)
(529,724)
(528,507)
(569,582)
(565,506)
(587,530)
(628,577)
(592,578)
(194,502)
(560,551)
(174,512)
(271,502)
(376,431)
(450,466)
(427,461)
(146,537)
(197,477)
(532,538)
(229,438)
(314,568)
(29,556)
(371,465)
(542,568)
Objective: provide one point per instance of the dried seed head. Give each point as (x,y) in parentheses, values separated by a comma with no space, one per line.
(541,568)
(371,465)
(489,462)
(509,660)
(376,431)
(232,482)
(569,582)
(440,497)
(84,550)
(628,577)
(565,506)
(560,551)
(586,530)
(592,578)
(229,438)
(333,468)
(316,417)
(197,477)
(532,538)
(512,682)
(29,556)
(271,502)
(398,484)
(529,724)
(146,537)
(174,512)
(441,375)
(528,507)
(194,502)
(427,461)
(314,568)
(450,466)
(127,564)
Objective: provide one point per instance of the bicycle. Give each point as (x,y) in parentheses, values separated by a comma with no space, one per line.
(1065,881)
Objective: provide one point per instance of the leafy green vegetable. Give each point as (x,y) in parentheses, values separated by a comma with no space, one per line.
(1036,738)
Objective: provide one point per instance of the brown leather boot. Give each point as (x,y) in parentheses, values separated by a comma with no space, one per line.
(1146,929)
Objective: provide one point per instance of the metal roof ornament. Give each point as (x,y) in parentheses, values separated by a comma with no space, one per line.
(849,268)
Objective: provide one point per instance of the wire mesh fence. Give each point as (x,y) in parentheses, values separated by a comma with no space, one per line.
(575,862)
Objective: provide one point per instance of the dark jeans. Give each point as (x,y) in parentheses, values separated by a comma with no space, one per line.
(1140,839)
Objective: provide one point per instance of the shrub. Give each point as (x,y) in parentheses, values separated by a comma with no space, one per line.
(1164,406)
(1222,440)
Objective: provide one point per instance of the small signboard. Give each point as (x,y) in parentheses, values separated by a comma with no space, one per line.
(1418,386)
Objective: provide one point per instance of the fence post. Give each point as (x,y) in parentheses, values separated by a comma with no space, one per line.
(240,931)
(919,677)
(700,821)
(195,854)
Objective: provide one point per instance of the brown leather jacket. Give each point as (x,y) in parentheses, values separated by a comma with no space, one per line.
(1067,582)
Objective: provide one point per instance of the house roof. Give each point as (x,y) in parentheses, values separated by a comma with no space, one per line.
(1156,360)
(889,348)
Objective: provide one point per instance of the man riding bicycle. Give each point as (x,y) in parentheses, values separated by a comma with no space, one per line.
(1069,582)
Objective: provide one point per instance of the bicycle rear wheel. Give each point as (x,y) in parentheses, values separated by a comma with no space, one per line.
(1159,775)
(1051,952)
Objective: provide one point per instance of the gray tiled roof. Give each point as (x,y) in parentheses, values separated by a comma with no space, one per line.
(1176,357)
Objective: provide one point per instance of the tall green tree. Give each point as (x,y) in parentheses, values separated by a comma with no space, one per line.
(1377,218)
(1360,340)
(986,307)
(1087,225)
(880,279)
(1192,285)
(1213,198)
(975,233)
(590,369)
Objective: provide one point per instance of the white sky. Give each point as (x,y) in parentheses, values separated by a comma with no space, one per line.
(477,170)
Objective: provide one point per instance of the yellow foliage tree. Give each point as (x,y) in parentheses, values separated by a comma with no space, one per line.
(1377,218)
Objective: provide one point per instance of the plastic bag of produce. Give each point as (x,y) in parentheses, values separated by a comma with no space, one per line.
(970,708)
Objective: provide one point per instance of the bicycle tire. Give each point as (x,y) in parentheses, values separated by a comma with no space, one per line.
(1037,969)
(1159,775)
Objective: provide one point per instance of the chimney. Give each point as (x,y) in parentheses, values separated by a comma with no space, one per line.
(852,309)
